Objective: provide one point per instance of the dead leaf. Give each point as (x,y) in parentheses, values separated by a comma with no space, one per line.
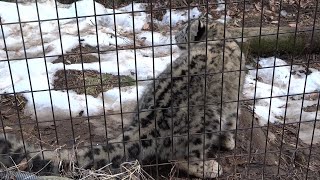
(292,24)
(7,128)
(23,165)
(257,6)
(146,26)
(312,96)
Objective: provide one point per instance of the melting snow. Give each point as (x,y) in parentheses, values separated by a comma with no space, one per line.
(279,107)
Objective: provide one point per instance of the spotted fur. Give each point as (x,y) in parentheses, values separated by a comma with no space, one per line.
(181,118)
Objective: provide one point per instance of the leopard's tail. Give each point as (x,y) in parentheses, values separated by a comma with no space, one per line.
(16,155)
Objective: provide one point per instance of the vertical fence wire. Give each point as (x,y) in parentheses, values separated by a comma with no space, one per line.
(154,88)
(205,92)
(47,75)
(1,116)
(65,77)
(241,83)
(15,98)
(222,83)
(119,80)
(188,88)
(84,80)
(100,76)
(136,71)
(288,90)
(318,95)
(171,78)
(305,84)
(29,77)
(271,90)
(312,137)
(255,90)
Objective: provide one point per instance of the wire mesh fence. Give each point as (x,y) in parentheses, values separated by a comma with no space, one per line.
(171,89)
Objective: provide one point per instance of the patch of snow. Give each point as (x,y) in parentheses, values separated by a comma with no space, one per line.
(60,105)
(136,7)
(158,39)
(283,13)
(28,12)
(306,134)
(106,40)
(221,5)
(6,31)
(223,18)
(124,22)
(279,107)
(180,16)
(128,95)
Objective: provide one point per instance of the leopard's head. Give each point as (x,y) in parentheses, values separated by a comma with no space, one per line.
(199,30)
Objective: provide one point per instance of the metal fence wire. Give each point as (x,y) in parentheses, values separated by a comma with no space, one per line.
(106,90)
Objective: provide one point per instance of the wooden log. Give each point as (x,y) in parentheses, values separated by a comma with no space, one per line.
(269,41)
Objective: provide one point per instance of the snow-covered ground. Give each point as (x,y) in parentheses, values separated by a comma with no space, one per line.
(21,43)
(19,69)
(293,108)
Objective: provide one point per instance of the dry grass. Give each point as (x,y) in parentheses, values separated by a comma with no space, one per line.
(89,81)
(77,56)
(128,171)
(17,101)
(66,162)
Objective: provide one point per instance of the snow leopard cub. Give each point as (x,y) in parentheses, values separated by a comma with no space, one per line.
(181,118)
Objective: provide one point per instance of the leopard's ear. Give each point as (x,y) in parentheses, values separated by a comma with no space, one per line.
(204,15)
(201,30)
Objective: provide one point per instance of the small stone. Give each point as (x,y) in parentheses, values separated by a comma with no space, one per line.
(283,13)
